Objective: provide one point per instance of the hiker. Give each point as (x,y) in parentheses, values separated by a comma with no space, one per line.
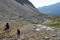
(18,32)
(7,26)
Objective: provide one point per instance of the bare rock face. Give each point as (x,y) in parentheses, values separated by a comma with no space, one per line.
(20,10)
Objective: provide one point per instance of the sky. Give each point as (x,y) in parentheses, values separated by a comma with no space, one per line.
(41,3)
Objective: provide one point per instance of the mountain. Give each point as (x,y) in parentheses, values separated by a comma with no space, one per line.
(19,10)
(25,22)
(52,10)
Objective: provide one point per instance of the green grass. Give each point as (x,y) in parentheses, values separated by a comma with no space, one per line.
(55,22)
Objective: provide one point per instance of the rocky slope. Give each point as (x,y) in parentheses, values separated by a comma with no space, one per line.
(29,31)
(15,10)
(22,16)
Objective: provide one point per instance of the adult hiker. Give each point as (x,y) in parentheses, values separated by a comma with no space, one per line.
(18,32)
(7,26)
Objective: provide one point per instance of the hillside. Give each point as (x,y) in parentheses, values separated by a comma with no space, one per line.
(14,10)
(22,15)
(52,10)
(29,31)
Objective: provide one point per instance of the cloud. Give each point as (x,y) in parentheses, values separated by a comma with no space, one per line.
(41,3)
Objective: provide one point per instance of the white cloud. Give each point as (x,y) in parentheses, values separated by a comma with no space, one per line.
(40,3)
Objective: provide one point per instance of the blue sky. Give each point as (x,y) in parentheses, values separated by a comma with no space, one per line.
(41,3)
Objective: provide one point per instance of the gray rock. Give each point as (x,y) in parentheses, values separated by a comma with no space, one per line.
(11,9)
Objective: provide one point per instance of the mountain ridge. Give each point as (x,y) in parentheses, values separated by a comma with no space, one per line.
(52,10)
